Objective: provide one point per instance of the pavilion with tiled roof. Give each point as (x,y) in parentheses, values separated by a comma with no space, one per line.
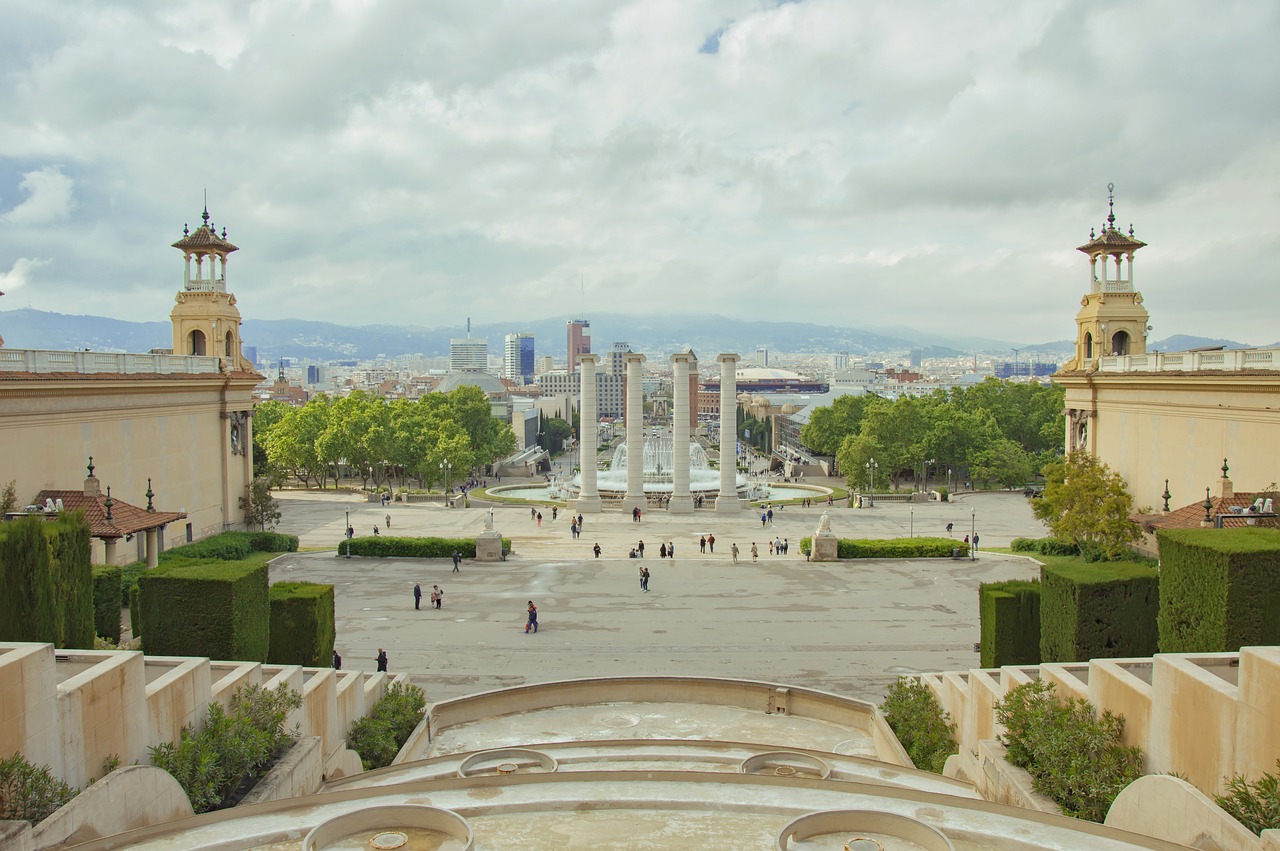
(1227,509)
(111,519)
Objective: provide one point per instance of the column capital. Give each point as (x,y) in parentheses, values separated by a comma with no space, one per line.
(684,357)
(588,358)
(634,357)
(728,358)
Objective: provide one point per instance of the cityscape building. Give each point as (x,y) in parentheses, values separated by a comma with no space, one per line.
(468,354)
(517,362)
(578,341)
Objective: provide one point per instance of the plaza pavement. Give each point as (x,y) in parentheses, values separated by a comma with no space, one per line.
(847,627)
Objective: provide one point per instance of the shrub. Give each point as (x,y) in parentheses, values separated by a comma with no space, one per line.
(1044,546)
(232,546)
(900,548)
(920,723)
(1098,611)
(271,542)
(106,601)
(29,610)
(302,629)
(135,610)
(379,736)
(1220,589)
(1073,756)
(944,495)
(1255,805)
(128,578)
(73,578)
(28,792)
(1010,618)
(219,610)
(236,743)
(386,546)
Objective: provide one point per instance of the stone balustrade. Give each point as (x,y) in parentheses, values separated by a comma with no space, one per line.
(1234,360)
(43,361)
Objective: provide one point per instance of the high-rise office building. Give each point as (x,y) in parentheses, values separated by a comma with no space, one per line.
(517,361)
(468,354)
(762,356)
(579,341)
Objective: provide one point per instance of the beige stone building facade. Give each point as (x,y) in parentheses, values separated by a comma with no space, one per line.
(1165,421)
(181,421)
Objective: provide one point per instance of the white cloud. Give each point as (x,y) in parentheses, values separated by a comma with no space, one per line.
(19,274)
(49,198)
(917,164)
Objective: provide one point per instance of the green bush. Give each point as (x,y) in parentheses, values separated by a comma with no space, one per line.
(73,578)
(28,792)
(235,743)
(219,610)
(1073,756)
(1220,589)
(920,723)
(1098,611)
(302,629)
(386,546)
(379,736)
(128,578)
(944,495)
(1255,805)
(135,610)
(29,609)
(900,548)
(106,601)
(271,542)
(1010,618)
(1044,546)
(232,546)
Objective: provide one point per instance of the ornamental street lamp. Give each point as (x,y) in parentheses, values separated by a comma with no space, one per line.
(973,532)
(445,470)
(347,532)
(871,475)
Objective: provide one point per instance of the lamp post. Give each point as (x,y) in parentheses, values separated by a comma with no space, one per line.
(871,474)
(346,531)
(973,532)
(446,470)
(913,521)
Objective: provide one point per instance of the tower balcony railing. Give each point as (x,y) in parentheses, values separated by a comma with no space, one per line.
(206,285)
(1231,361)
(41,361)
(1112,286)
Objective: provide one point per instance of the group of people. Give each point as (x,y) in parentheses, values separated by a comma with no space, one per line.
(437,594)
(779,546)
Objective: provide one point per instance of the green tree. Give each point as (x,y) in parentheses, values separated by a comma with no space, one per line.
(829,425)
(1087,503)
(1005,462)
(8,498)
(291,443)
(265,416)
(261,509)
(555,432)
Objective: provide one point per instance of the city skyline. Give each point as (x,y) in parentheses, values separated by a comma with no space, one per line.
(929,167)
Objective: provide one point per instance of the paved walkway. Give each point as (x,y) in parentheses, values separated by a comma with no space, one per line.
(849,627)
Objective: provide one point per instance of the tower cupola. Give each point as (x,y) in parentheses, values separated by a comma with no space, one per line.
(205,318)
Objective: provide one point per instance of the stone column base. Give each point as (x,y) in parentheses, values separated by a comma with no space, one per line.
(489,546)
(587,505)
(825,548)
(631,503)
(728,505)
(680,505)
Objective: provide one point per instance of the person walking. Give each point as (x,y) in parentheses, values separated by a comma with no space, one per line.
(702,544)
(437,595)
(950,526)
(337,661)
(671,549)
(640,549)
(771,548)
(764,518)
(532,619)
(596,550)
(375,530)
(644,579)
(733,553)
(555,512)
(539,519)
(381,659)
(755,553)
(786,546)
(711,543)
(457,560)
(388,519)
(417,596)
(769,514)
(533,513)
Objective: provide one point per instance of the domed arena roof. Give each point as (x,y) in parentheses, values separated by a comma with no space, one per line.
(761,373)
(486,382)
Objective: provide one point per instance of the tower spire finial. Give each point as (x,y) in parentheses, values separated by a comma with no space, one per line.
(1111,204)
(205,214)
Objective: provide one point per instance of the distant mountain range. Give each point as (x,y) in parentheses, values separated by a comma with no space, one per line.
(707,335)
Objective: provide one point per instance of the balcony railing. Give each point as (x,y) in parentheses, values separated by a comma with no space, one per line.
(45,361)
(204,285)
(1235,360)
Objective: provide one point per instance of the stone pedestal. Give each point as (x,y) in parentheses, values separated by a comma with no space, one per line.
(825,547)
(489,546)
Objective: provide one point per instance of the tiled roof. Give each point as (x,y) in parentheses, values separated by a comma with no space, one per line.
(1111,237)
(1192,516)
(204,237)
(126,519)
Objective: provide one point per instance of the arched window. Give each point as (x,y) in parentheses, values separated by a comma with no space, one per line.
(196,341)
(1088,345)
(1120,343)
(230,344)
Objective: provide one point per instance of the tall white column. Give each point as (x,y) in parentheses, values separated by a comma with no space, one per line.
(588,428)
(681,499)
(635,434)
(728,500)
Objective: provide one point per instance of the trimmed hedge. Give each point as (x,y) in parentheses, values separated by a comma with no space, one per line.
(302,630)
(128,578)
(1010,617)
(107,579)
(29,609)
(1220,589)
(219,610)
(900,548)
(386,546)
(73,578)
(232,546)
(1045,546)
(1098,611)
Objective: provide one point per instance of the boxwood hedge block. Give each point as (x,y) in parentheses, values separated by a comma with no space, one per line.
(29,609)
(73,578)
(1101,610)
(219,610)
(1220,589)
(1010,617)
(386,546)
(301,624)
(107,579)
(900,548)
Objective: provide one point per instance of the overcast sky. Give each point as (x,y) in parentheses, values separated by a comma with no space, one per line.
(870,164)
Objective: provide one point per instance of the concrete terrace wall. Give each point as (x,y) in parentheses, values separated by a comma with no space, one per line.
(1204,716)
(73,710)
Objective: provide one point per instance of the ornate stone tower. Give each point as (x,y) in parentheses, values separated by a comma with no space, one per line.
(1112,320)
(205,318)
